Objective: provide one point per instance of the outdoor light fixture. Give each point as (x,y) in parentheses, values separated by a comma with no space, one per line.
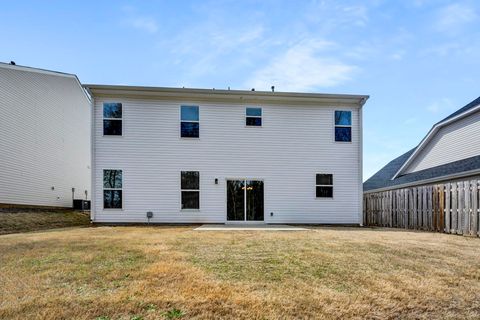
(149,215)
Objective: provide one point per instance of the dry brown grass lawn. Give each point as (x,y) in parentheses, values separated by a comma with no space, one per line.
(323,273)
(24,220)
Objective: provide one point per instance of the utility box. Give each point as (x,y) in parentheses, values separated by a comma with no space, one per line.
(79,204)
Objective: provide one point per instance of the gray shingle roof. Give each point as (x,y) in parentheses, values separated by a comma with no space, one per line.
(383,178)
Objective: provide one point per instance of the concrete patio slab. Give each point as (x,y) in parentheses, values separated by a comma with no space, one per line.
(249,227)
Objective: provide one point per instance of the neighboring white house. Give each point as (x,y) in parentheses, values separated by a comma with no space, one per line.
(44,137)
(450,151)
(218,156)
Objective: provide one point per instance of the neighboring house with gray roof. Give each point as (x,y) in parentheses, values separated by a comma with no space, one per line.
(450,151)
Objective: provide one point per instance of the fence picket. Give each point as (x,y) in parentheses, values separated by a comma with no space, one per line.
(452,207)
(474,208)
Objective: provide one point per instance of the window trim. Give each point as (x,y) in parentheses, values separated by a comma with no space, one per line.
(191,121)
(122,189)
(118,119)
(192,190)
(247,116)
(324,185)
(343,126)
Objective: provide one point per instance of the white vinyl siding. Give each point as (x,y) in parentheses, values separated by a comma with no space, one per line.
(456,141)
(44,138)
(296,143)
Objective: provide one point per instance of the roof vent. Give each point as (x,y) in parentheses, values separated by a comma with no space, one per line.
(12,63)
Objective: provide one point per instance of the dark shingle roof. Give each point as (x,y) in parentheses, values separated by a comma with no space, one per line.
(383,178)
(471,105)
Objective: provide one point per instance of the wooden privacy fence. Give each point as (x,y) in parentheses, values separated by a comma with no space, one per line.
(449,207)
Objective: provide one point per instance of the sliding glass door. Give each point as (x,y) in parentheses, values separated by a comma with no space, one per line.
(244,200)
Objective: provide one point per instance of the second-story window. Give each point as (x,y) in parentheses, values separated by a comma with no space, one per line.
(343,126)
(112,119)
(189,122)
(253,117)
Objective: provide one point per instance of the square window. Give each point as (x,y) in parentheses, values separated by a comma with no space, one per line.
(343,134)
(324,185)
(112,127)
(190,180)
(190,130)
(343,118)
(189,113)
(253,117)
(112,179)
(190,200)
(112,199)
(112,110)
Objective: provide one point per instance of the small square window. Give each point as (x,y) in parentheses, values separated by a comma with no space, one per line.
(253,117)
(343,134)
(112,127)
(190,113)
(343,118)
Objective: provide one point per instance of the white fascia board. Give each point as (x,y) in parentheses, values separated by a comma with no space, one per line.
(430,135)
(242,96)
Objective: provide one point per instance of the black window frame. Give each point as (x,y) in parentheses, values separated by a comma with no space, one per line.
(113,119)
(189,189)
(113,190)
(339,126)
(195,124)
(322,185)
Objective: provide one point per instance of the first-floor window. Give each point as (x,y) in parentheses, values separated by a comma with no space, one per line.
(112,189)
(324,185)
(190,185)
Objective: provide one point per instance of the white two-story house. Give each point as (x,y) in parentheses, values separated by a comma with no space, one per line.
(165,155)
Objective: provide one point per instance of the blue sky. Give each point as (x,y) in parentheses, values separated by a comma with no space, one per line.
(418,60)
